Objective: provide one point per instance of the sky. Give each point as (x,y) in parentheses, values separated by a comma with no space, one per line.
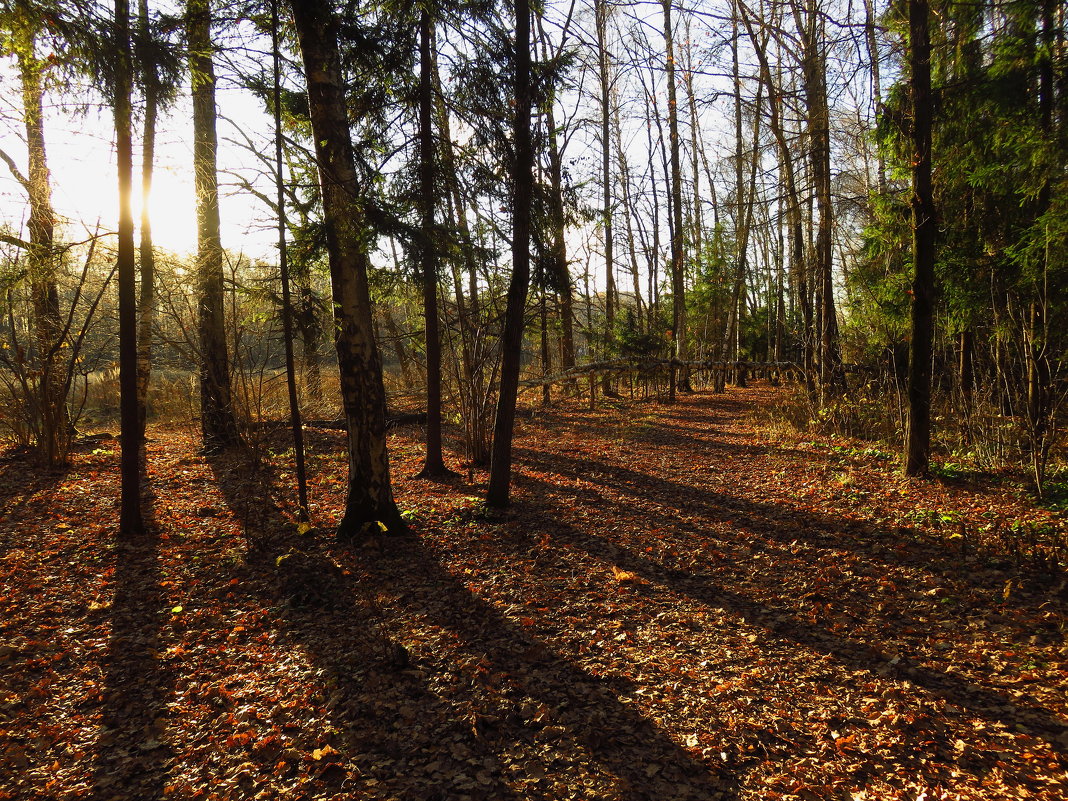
(81,158)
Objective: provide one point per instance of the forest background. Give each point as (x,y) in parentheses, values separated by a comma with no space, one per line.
(814,187)
(764,299)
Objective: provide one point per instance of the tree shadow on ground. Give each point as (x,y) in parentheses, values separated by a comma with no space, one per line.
(393,736)
(790,620)
(830,658)
(22,488)
(665,500)
(133,759)
(473,706)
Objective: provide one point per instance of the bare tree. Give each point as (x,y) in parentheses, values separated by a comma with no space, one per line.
(130,519)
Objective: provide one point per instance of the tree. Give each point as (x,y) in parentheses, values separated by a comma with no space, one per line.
(434,464)
(918,436)
(810,21)
(600,11)
(678,264)
(522,192)
(51,423)
(744,204)
(130,519)
(283,270)
(146,301)
(159,73)
(369,500)
(217,418)
(560,277)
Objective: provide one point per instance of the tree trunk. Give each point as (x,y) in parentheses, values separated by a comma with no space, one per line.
(743,216)
(130,519)
(546,355)
(1036,337)
(311,335)
(678,273)
(512,340)
(53,430)
(601,23)
(558,258)
(628,212)
(870,23)
(370,495)
(303,512)
(794,213)
(217,420)
(473,346)
(814,76)
(652,257)
(146,302)
(918,435)
(434,465)
(966,367)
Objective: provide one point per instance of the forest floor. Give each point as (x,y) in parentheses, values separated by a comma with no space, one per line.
(683,603)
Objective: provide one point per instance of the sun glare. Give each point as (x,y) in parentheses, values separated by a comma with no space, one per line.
(85,192)
(172,212)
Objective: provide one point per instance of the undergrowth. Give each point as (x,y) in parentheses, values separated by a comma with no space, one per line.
(868,419)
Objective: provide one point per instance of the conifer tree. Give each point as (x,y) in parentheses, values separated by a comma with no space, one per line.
(369,500)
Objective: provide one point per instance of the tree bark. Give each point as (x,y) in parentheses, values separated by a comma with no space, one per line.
(697,147)
(297,428)
(217,420)
(1036,337)
(370,495)
(918,433)
(146,302)
(53,433)
(558,257)
(130,518)
(434,464)
(794,215)
(870,26)
(600,10)
(678,274)
(546,356)
(628,212)
(473,346)
(512,340)
(744,204)
(814,77)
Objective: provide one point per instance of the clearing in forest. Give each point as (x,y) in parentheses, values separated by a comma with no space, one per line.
(681,604)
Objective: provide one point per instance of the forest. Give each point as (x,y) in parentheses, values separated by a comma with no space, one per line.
(585,399)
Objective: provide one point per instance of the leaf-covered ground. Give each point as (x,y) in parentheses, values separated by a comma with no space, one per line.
(680,605)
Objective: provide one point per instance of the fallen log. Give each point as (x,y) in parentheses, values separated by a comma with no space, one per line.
(650,366)
(392,421)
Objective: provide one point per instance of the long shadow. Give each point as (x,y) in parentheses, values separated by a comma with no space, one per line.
(631,753)
(133,758)
(786,623)
(497,697)
(682,436)
(771,521)
(23,485)
(391,730)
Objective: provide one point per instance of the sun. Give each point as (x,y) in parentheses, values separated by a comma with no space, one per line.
(82,163)
(85,192)
(172,211)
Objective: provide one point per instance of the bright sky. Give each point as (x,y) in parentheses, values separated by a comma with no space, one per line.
(81,157)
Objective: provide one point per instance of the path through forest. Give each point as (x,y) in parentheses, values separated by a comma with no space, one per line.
(682,604)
